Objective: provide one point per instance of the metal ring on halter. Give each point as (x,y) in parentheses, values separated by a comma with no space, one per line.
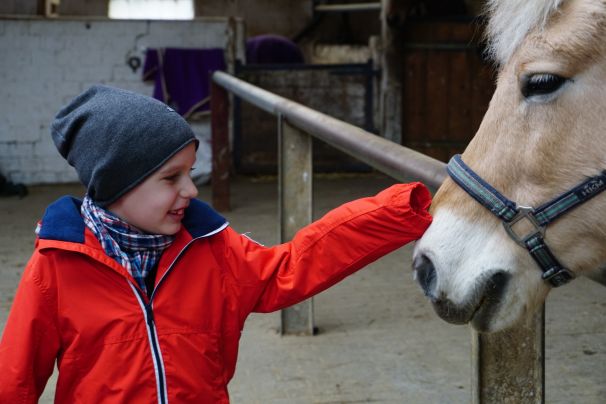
(524,212)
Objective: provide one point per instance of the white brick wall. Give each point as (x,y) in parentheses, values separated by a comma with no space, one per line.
(45,63)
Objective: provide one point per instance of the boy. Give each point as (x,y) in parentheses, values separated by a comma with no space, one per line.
(140,291)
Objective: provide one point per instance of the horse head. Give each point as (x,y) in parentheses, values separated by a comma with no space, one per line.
(542,136)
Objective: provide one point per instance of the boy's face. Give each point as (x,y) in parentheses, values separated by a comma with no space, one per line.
(157,205)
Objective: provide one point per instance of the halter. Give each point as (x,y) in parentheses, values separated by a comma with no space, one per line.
(510,213)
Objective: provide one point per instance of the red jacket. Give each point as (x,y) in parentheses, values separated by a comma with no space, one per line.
(112,343)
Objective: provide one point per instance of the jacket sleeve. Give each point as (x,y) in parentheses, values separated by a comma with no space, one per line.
(30,341)
(321,254)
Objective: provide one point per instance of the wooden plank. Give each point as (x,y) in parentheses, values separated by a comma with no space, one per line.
(414,96)
(437,100)
(460,98)
(22,7)
(482,88)
(456,86)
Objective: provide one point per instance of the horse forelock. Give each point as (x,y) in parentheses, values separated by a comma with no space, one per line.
(511,20)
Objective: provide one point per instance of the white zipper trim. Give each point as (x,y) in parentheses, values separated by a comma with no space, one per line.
(185,247)
(214,231)
(155,334)
(151,346)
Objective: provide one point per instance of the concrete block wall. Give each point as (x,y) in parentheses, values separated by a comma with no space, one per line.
(45,63)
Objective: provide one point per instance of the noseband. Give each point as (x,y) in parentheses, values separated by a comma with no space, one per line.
(538,218)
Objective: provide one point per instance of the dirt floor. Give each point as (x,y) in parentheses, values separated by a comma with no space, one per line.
(379,339)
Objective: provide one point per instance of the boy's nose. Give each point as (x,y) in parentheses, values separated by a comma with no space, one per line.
(189,189)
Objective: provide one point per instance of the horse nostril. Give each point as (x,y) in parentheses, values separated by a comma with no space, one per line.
(499,280)
(496,285)
(451,312)
(426,273)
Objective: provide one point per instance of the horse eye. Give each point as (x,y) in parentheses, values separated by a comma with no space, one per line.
(541,84)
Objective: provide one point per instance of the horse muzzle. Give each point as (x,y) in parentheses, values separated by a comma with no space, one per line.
(481,306)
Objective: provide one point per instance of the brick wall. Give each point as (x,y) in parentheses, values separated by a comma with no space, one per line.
(45,63)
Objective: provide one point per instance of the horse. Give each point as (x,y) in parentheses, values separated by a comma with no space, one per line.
(522,210)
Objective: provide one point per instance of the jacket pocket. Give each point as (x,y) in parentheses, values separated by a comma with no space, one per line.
(194,366)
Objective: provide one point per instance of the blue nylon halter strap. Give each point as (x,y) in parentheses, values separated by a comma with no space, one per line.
(510,213)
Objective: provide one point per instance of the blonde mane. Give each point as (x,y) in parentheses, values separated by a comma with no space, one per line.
(511,20)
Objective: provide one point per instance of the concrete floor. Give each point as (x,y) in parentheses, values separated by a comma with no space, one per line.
(379,339)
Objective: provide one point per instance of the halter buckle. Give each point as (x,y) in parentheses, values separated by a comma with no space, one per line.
(524,212)
(558,276)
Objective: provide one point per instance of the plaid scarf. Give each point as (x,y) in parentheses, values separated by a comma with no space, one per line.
(136,251)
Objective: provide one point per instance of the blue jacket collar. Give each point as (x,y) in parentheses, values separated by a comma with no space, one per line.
(201,220)
(62,220)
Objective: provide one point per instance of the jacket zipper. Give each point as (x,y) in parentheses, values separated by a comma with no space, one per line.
(152,336)
(170,267)
(152,333)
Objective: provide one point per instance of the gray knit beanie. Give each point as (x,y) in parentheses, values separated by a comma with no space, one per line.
(116,138)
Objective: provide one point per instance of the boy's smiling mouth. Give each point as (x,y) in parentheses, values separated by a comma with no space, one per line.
(177,212)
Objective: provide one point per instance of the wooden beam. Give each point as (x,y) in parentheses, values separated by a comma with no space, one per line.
(221,158)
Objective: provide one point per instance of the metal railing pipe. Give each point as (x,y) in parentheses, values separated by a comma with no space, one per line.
(395,160)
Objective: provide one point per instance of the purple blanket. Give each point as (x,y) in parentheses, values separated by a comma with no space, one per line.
(264,49)
(182,76)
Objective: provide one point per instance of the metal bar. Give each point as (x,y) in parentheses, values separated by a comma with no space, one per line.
(219,104)
(397,161)
(345,8)
(295,175)
(509,367)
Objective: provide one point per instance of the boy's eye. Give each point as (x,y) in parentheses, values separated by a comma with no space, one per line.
(175,176)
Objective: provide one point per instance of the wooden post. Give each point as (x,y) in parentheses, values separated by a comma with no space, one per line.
(393,14)
(509,367)
(221,158)
(295,174)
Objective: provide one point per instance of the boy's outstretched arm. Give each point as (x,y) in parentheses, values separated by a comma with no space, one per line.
(30,340)
(321,254)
